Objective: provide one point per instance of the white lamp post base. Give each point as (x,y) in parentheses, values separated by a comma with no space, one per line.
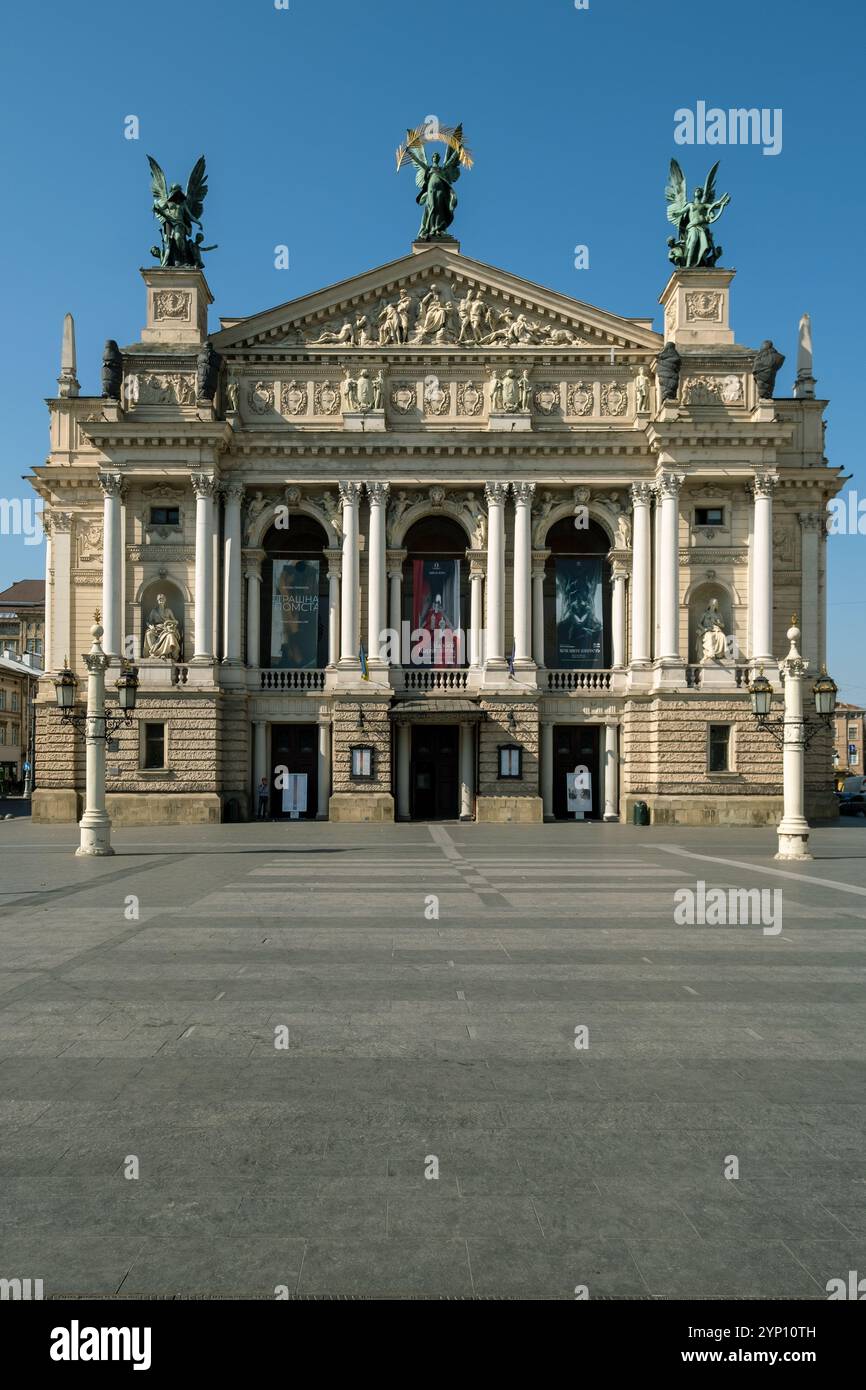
(95,839)
(793,844)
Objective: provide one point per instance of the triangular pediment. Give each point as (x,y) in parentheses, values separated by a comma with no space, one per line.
(436,298)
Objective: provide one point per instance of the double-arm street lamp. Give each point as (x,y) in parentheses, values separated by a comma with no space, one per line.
(97,727)
(793,732)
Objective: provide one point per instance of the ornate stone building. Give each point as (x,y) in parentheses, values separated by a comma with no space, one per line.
(423,543)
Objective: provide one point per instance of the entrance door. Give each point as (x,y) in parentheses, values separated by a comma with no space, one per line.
(295,747)
(434,772)
(576,745)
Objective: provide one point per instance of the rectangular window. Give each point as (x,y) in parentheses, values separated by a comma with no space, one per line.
(362,763)
(709,516)
(14,701)
(165,516)
(852,733)
(2,699)
(719,756)
(510,760)
(154,746)
(2,733)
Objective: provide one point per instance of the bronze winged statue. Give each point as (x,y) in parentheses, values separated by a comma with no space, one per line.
(435,180)
(692,219)
(177,213)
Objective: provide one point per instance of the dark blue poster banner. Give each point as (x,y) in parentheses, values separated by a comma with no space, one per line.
(579,614)
(295,614)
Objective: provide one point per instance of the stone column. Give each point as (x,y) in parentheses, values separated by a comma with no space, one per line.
(95,823)
(547,769)
(793,828)
(395,560)
(762,569)
(523,494)
(204,488)
(112,544)
(349,496)
(495,494)
(253,574)
(641,496)
(539,560)
(467,771)
(335,567)
(216,606)
(669,567)
(811,528)
(324,770)
(61,558)
(260,758)
(47,663)
(618,575)
(377,606)
(233,575)
(611,794)
(476,608)
(404,758)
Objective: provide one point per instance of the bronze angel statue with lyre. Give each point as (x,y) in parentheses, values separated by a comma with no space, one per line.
(435,180)
(692,219)
(177,213)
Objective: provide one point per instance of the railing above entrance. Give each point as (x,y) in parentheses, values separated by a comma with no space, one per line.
(281,679)
(427,678)
(579,680)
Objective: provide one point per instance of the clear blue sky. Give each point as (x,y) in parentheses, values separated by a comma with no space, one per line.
(570,115)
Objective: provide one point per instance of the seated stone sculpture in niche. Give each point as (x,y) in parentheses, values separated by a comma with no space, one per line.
(713,639)
(162,636)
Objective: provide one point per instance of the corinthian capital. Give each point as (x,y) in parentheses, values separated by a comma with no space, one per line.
(813,521)
(495,494)
(523,494)
(668,483)
(234,492)
(349,493)
(764,484)
(641,494)
(203,484)
(111,484)
(377,494)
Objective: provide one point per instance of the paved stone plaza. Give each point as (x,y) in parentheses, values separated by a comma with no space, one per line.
(409,1038)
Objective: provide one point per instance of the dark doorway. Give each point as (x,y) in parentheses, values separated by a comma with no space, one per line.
(434,772)
(295,748)
(576,745)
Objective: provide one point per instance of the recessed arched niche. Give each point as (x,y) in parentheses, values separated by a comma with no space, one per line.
(577,597)
(163,621)
(294,596)
(711,623)
(435,593)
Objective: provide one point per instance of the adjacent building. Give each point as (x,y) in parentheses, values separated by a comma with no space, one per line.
(22,619)
(428,542)
(19,678)
(848,741)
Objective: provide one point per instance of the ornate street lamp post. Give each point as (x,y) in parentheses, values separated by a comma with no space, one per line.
(793,733)
(95,824)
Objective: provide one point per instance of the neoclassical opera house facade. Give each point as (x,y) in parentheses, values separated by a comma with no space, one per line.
(421,544)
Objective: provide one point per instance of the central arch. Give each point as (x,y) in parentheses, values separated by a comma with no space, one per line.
(436,591)
(294,596)
(577,597)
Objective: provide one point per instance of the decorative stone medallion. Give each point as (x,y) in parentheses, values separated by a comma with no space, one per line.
(327,398)
(703,306)
(546,397)
(470,398)
(261,398)
(172,305)
(293,398)
(614,399)
(403,397)
(581,399)
(437,398)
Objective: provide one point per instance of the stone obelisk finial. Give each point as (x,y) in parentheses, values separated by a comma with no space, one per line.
(67,380)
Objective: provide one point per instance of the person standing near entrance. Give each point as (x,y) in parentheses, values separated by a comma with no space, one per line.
(263,799)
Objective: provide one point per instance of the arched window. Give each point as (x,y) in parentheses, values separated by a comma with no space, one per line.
(294,596)
(435,594)
(577,597)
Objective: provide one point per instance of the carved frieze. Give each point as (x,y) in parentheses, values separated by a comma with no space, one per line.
(581,398)
(470,398)
(614,398)
(159,388)
(545,397)
(172,305)
(703,306)
(326,398)
(89,541)
(293,398)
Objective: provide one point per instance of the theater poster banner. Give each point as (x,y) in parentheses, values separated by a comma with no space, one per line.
(436,611)
(295,614)
(579,614)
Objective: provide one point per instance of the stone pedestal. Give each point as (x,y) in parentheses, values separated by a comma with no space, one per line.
(718,675)
(177,305)
(697,306)
(364,420)
(506,420)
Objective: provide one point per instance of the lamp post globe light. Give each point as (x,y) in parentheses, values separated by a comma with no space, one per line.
(793,732)
(95,824)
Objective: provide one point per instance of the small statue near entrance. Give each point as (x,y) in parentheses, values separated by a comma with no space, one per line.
(162,637)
